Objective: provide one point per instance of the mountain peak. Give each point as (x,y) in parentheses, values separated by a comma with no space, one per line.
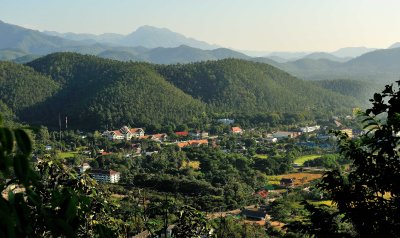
(152,28)
(153,37)
(395,45)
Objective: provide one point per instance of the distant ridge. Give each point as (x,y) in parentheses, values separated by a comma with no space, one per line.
(145,36)
(31,41)
(351,52)
(323,55)
(395,45)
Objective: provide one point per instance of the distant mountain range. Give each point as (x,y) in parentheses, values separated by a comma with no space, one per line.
(379,66)
(395,45)
(162,46)
(351,52)
(145,36)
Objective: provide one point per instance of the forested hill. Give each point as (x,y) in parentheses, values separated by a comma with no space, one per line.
(358,89)
(22,87)
(98,93)
(240,86)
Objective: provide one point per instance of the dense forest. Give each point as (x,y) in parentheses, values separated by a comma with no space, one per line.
(240,86)
(358,89)
(96,93)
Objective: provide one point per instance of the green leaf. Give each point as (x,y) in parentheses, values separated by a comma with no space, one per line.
(6,139)
(23,141)
(21,168)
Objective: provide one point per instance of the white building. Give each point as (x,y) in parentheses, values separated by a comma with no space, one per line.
(105,176)
(226,121)
(84,167)
(285,134)
(124,133)
(309,128)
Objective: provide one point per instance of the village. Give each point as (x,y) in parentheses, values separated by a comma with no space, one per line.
(103,155)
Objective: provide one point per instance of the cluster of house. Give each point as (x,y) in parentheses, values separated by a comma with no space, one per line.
(125,133)
(101,175)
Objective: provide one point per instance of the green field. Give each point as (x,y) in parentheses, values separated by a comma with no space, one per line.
(302,159)
(324,202)
(261,156)
(64,155)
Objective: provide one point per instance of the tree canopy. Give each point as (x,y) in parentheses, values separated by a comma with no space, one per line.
(369,194)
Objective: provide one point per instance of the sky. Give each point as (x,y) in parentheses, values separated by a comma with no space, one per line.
(259,25)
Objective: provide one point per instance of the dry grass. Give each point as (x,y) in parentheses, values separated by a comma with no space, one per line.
(325,202)
(193,164)
(277,224)
(299,178)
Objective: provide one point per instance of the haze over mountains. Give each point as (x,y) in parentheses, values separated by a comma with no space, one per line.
(145,36)
(162,46)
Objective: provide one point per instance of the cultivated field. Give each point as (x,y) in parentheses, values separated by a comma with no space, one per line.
(299,178)
(302,159)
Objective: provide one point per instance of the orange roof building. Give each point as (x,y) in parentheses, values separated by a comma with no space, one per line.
(236,130)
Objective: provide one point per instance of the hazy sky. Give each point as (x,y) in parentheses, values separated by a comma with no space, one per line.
(264,25)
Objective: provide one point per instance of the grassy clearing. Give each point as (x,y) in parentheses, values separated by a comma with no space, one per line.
(261,156)
(324,202)
(299,178)
(302,159)
(64,155)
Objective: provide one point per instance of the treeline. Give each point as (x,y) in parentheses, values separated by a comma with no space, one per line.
(97,93)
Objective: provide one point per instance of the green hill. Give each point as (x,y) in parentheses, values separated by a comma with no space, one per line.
(358,89)
(22,87)
(96,93)
(239,86)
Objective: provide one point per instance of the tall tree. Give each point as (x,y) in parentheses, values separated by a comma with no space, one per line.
(369,195)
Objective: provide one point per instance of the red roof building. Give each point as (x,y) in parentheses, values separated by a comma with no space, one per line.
(236,130)
(182,133)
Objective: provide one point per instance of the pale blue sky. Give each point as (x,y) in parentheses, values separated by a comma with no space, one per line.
(268,25)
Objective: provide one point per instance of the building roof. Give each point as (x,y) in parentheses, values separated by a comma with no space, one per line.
(287,180)
(117,132)
(254,213)
(160,136)
(192,142)
(181,133)
(198,142)
(134,130)
(263,193)
(236,129)
(183,144)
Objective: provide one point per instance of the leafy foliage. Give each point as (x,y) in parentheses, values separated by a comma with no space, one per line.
(369,195)
(191,223)
(51,202)
(324,221)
